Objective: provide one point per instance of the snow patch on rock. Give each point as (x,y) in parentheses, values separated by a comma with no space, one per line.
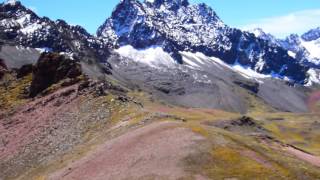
(292,54)
(202,61)
(153,56)
(156,57)
(313,47)
(11,2)
(314,77)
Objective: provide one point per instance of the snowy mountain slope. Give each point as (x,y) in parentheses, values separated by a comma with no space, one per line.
(176,26)
(311,41)
(180,52)
(199,82)
(21,26)
(304,48)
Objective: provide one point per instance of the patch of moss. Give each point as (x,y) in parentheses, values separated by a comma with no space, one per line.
(200,130)
(299,130)
(229,163)
(223,156)
(13,91)
(256,105)
(193,114)
(40,178)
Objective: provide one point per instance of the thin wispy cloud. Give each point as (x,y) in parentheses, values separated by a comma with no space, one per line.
(281,26)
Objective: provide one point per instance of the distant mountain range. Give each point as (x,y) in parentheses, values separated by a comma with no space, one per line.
(179,49)
(304,48)
(177,26)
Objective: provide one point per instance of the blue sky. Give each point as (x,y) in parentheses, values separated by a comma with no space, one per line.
(279,17)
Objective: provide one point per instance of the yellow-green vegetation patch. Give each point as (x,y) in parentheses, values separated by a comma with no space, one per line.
(247,160)
(40,178)
(12,91)
(313,145)
(300,130)
(256,105)
(221,158)
(200,130)
(192,114)
(226,154)
(121,111)
(229,163)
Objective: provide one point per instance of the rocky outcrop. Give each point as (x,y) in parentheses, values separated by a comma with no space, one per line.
(24,70)
(50,69)
(3,68)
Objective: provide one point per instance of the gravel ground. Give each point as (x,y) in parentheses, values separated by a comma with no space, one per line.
(154,151)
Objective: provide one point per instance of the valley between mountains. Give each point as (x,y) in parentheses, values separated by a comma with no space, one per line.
(164,90)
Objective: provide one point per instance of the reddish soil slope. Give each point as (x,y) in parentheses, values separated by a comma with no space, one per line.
(153,151)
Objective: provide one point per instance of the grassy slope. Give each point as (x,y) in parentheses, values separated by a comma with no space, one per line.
(230,154)
(12,91)
(224,154)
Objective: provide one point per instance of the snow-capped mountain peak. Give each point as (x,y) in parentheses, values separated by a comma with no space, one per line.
(294,38)
(258,32)
(173,26)
(169,4)
(178,26)
(304,48)
(311,35)
(21,26)
(11,2)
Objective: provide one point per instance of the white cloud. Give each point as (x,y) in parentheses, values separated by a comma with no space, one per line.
(281,26)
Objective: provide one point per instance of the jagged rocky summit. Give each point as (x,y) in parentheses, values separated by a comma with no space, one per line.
(177,25)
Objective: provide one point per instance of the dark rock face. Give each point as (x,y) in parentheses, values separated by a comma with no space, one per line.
(24,70)
(250,86)
(244,125)
(244,121)
(50,69)
(3,68)
(175,25)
